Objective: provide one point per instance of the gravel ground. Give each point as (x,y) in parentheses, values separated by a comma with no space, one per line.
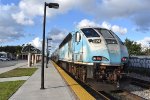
(144,93)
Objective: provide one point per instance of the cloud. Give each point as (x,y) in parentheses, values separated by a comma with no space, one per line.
(37,6)
(9,29)
(22,19)
(119,8)
(115,28)
(136,11)
(142,22)
(29,9)
(57,36)
(36,42)
(118,29)
(87,23)
(144,42)
(13,17)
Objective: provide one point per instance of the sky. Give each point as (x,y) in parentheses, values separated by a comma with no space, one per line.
(21,21)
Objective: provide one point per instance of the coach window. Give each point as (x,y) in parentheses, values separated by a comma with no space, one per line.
(89,32)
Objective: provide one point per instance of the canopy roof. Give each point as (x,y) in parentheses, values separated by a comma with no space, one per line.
(30,49)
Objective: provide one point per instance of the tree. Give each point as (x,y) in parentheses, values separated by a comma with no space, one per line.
(11,49)
(133,47)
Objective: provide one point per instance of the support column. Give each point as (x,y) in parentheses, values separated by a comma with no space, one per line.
(35,58)
(29,59)
(40,57)
(32,59)
(22,56)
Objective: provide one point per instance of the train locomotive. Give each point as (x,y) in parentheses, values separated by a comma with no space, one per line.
(92,53)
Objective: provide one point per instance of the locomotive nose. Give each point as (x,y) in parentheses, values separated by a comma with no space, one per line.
(114,53)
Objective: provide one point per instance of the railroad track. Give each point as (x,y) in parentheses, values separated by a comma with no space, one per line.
(112,95)
(108,95)
(142,85)
(125,95)
(98,95)
(139,81)
(103,95)
(139,87)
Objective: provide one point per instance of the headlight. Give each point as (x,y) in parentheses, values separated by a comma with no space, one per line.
(124,59)
(94,58)
(97,58)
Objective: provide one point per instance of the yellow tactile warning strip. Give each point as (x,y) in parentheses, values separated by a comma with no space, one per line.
(81,93)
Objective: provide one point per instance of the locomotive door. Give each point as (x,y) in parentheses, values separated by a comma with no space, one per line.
(78,47)
(69,50)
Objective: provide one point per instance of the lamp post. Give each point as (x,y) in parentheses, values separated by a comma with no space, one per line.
(47,52)
(50,5)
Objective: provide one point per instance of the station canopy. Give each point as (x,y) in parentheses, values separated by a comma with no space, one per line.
(30,49)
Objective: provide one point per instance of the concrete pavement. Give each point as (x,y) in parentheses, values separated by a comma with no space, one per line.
(14,78)
(5,69)
(56,88)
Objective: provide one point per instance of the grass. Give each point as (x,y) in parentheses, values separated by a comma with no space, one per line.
(8,88)
(18,72)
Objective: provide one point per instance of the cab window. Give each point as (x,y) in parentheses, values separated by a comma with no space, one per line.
(105,33)
(89,32)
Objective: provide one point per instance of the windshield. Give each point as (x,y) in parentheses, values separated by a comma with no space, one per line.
(118,38)
(105,33)
(89,32)
(110,39)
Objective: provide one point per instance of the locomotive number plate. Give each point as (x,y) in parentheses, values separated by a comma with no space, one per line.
(97,41)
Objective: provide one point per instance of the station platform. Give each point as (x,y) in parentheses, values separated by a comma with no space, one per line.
(58,86)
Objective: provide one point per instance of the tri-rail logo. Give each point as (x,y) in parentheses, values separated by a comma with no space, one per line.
(95,40)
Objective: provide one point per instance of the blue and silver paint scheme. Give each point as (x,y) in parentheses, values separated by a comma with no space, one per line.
(80,49)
